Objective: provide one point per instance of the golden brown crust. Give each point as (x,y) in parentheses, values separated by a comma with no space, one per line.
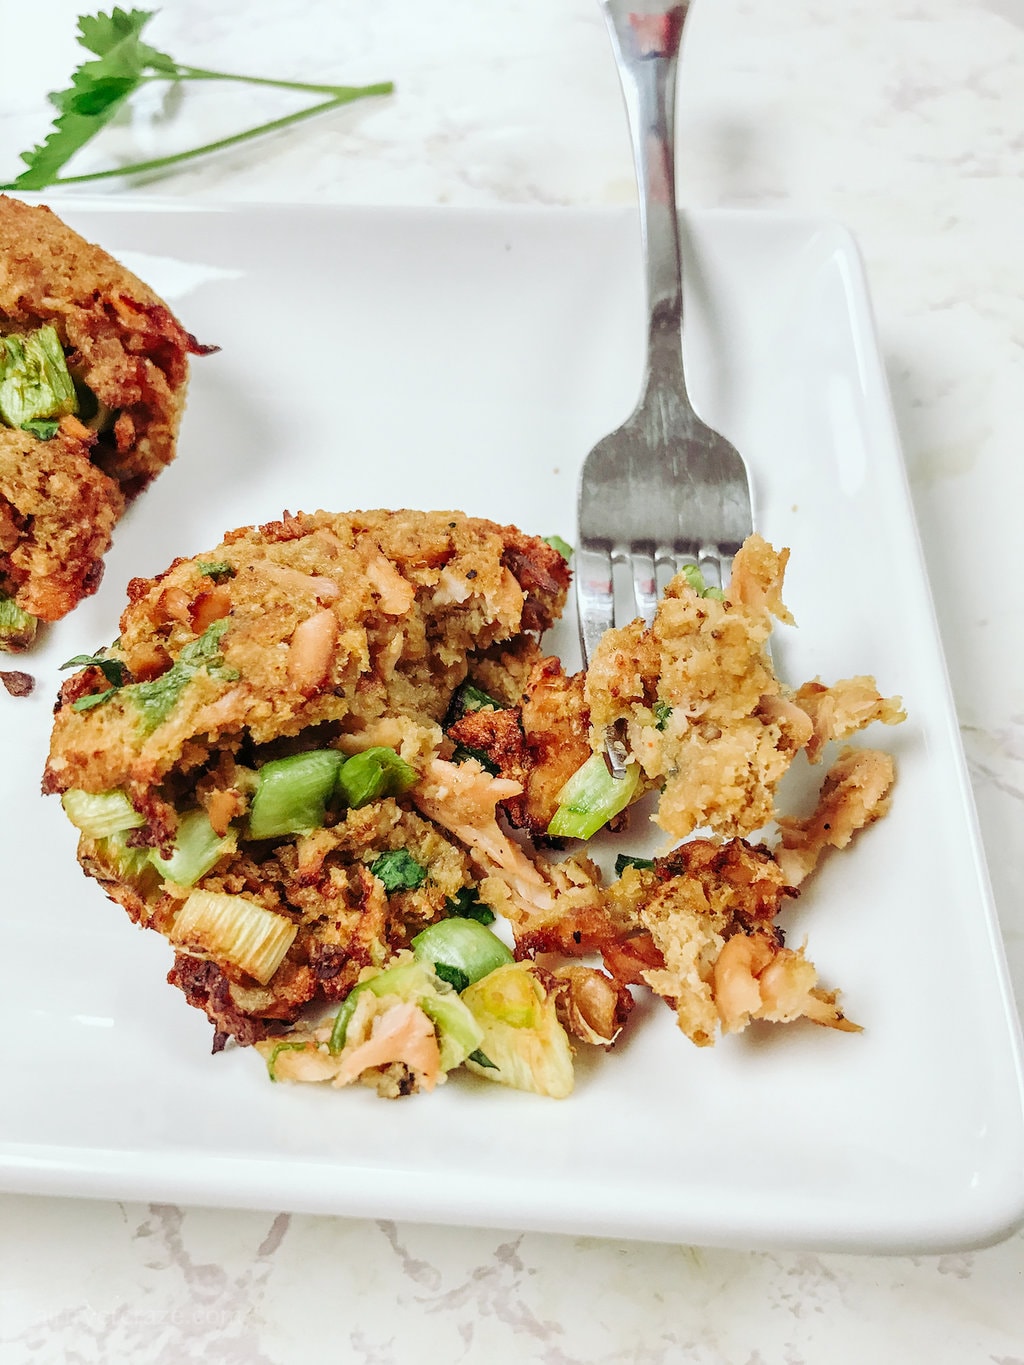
(127,348)
(57,515)
(413,596)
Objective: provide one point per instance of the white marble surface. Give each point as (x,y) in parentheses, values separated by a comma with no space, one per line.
(901,118)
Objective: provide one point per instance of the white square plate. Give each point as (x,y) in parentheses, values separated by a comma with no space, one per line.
(469,360)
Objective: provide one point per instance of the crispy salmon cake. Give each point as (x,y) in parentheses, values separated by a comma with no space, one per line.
(242,763)
(93,375)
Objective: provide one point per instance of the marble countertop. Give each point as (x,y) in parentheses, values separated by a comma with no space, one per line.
(900,119)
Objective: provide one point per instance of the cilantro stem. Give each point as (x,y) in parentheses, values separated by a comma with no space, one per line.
(199,73)
(159,163)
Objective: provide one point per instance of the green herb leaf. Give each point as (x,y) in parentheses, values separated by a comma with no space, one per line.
(662,711)
(219,570)
(45,428)
(399,871)
(123,62)
(455,976)
(696,581)
(482,1059)
(463,751)
(625,860)
(93,699)
(97,91)
(156,699)
(562,546)
(466,905)
(112,669)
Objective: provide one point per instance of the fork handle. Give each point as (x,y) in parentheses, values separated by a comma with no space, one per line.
(645,37)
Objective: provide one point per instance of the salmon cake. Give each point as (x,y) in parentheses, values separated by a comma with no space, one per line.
(93,376)
(240,763)
(322,758)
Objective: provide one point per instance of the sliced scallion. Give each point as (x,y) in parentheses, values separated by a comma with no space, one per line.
(292,793)
(34,379)
(100,814)
(461,946)
(197,849)
(591,797)
(374,774)
(234,929)
(17,626)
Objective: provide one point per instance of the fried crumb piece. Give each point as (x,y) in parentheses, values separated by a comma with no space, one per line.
(17,683)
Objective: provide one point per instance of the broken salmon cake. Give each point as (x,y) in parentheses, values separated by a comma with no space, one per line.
(93,376)
(702,713)
(242,763)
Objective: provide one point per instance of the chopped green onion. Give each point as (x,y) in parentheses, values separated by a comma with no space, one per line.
(399,871)
(130,864)
(34,378)
(197,849)
(591,797)
(463,946)
(466,905)
(292,793)
(285,1047)
(374,774)
(234,929)
(17,627)
(523,1043)
(99,814)
(562,546)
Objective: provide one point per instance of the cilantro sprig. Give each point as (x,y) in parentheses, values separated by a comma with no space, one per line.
(123,63)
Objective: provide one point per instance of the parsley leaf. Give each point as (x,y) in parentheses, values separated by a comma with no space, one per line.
(112,669)
(624,860)
(97,91)
(157,698)
(454,976)
(482,1059)
(123,62)
(465,904)
(399,871)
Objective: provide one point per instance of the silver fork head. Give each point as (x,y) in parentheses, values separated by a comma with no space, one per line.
(655,500)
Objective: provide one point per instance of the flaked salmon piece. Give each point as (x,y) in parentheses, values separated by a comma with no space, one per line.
(395,1031)
(854,794)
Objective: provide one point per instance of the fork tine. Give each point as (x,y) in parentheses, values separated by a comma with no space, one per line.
(595,591)
(645,583)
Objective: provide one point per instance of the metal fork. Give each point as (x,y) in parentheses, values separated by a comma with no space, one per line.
(664,489)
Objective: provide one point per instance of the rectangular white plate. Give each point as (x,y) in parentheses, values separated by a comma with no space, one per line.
(469,360)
